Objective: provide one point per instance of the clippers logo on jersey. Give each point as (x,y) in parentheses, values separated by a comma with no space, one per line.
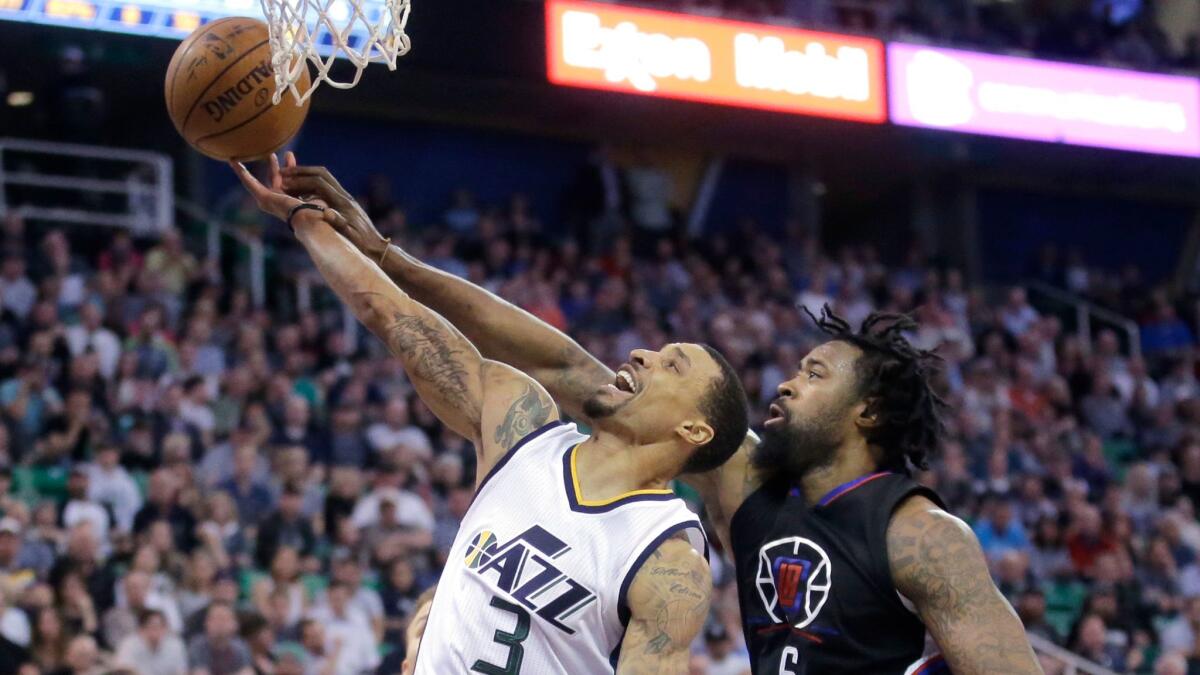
(521,569)
(793,580)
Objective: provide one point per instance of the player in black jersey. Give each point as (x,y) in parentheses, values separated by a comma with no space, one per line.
(843,561)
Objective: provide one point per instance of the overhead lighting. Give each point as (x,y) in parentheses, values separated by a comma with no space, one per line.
(19,99)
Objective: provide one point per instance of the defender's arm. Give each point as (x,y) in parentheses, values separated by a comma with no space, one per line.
(937,564)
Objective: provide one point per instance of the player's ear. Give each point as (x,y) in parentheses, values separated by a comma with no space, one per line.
(695,432)
(866,415)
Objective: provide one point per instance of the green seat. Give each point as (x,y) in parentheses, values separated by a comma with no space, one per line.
(40,482)
(1064,602)
(314,584)
(1120,452)
(248,578)
(142,480)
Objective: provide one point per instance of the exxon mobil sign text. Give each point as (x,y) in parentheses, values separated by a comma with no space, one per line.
(1044,101)
(714,61)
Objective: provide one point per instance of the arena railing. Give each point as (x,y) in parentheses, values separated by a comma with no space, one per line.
(1088,313)
(214,229)
(47,171)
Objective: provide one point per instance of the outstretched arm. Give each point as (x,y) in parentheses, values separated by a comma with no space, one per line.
(937,564)
(509,334)
(501,330)
(490,403)
(668,604)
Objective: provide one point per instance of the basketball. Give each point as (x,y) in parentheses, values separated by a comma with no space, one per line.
(219,87)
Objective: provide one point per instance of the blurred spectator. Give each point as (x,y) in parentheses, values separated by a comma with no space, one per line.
(82,658)
(48,648)
(162,503)
(138,596)
(153,649)
(219,650)
(111,486)
(16,289)
(251,495)
(395,430)
(349,638)
(1017,315)
(259,637)
(999,532)
(285,527)
(724,658)
(175,267)
(1090,642)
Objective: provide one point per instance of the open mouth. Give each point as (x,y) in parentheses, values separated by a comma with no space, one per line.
(775,415)
(625,381)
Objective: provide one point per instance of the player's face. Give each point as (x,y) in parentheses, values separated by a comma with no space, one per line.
(656,392)
(813,413)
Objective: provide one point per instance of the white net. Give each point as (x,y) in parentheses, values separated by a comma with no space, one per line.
(319,31)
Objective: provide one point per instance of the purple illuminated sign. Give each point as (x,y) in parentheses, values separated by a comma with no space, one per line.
(1043,101)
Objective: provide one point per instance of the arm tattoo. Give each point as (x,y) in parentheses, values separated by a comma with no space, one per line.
(669,604)
(429,356)
(525,415)
(938,565)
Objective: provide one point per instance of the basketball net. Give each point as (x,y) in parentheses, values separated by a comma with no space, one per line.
(336,24)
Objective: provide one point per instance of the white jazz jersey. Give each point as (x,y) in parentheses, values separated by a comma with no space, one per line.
(536,580)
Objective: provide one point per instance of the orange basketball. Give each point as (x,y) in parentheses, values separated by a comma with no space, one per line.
(219,87)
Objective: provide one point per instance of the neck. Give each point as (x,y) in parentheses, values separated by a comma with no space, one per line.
(850,461)
(608,466)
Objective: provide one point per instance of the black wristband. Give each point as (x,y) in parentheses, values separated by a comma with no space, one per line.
(299,207)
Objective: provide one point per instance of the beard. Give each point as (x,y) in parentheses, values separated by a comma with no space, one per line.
(793,449)
(596,408)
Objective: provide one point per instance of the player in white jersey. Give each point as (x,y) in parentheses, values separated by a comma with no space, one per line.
(575,557)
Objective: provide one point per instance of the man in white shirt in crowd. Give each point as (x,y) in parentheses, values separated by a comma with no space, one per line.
(196,408)
(396,430)
(348,639)
(91,334)
(348,570)
(137,597)
(111,485)
(18,291)
(411,511)
(80,508)
(14,623)
(153,649)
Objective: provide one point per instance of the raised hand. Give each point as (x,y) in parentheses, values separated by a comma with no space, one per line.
(271,200)
(316,182)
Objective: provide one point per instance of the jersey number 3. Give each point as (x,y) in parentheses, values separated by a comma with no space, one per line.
(511,640)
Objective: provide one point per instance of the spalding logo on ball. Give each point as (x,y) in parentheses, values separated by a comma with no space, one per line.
(219,87)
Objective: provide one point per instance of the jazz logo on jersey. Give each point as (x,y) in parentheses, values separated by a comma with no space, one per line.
(522,569)
(793,580)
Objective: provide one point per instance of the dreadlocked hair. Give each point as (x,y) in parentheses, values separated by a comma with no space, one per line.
(894,379)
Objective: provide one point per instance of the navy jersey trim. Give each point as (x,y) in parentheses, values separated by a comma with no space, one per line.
(622,595)
(579,505)
(513,450)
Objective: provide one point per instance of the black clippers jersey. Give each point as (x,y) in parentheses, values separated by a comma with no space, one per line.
(814,584)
